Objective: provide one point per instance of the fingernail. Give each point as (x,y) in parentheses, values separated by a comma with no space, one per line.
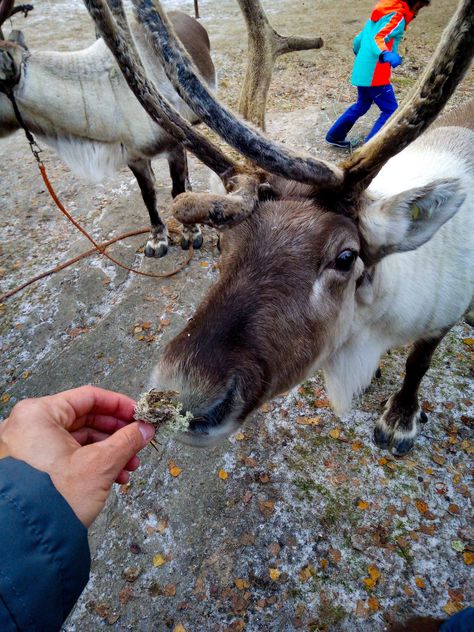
(147,431)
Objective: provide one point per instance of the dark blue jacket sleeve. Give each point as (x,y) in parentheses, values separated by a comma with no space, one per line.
(461,622)
(44,553)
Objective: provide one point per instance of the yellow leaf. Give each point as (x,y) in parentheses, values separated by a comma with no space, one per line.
(373,604)
(356,446)
(362,504)
(204,264)
(274,573)
(369,582)
(173,469)
(420,582)
(468,558)
(452,607)
(457,478)
(374,572)
(179,628)
(308,421)
(241,584)
(421,505)
(382,461)
(158,560)
(223,475)
(335,433)
(437,458)
(240,436)
(5,398)
(324,564)
(468,341)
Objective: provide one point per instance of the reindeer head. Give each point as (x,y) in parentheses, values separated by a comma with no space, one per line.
(12,50)
(300,237)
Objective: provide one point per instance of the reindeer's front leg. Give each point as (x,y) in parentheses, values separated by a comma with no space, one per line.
(397,427)
(178,165)
(157,245)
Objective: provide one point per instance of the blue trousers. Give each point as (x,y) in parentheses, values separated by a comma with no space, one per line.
(382,96)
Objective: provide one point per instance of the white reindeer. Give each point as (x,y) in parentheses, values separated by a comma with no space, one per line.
(79,104)
(324,266)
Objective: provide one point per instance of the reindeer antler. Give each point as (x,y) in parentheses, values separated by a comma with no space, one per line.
(448,65)
(113,27)
(241,136)
(6,7)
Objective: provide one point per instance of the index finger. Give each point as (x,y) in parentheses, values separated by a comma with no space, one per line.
(76,403)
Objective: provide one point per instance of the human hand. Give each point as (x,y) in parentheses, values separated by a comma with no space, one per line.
(392,58)
(83,438)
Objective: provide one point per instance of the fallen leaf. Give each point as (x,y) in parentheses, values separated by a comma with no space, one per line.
(452,607)
(131,574)
(421,505)
(162,525)
(308,421)
(179,628)
(174,470)
(125,594)
(408,591)
(383,461)
(361,609)
(274,573)
(169,590)
(420,582)
(468,341)
(362,504)
(5,398)
(241,584)
(454,509)
(356,446)
(239,436)
(164,322)
(457,545)
(369,582)
(373,604)
(146,325)
(223,475)
(374,572)
(335,555)
(468,558)
(335,433)
(204,264)
(158,560)
(306,573)
(324,563)
(267,507)
(437,458)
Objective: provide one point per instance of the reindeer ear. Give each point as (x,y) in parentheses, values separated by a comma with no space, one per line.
(409,219)
(18,37)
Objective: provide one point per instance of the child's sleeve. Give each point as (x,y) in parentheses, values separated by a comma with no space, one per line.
(356,43)
(386,32)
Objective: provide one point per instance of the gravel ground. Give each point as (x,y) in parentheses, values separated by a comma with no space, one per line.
(298,521)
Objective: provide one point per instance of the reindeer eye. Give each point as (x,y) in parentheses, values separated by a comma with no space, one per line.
(345,259)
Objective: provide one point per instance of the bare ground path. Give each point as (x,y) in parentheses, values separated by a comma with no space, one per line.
(313,528)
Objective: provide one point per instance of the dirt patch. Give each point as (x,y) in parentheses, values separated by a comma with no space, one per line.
(313,528)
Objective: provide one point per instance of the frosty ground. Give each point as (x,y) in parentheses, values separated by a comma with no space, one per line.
(298,521)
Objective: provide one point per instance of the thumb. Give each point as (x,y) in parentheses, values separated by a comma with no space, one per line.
(120,447)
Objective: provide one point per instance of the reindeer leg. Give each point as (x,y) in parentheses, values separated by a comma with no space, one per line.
(178,165)
(157,245)
(397,427)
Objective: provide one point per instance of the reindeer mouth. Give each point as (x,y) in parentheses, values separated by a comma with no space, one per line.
(217,423)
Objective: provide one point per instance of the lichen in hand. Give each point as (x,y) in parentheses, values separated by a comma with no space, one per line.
(162,409)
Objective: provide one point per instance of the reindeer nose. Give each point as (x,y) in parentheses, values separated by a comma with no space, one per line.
(216,422)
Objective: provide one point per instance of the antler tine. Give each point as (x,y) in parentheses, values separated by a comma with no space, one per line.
(117,36)
(448,66)
(6,7)
(241,136)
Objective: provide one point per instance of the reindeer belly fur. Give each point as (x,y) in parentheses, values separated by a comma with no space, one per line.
(92,119)
(415,294)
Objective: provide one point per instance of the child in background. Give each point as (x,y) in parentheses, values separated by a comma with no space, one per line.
(376,51)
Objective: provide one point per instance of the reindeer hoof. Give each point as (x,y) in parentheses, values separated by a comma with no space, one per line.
(423,418)
(381,438)
(156,248)
(402,446)
(194,234)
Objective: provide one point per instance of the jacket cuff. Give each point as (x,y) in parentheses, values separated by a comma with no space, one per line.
(44,549)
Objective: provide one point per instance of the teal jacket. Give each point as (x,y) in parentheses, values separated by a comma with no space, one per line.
(45,559)
(382,32)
